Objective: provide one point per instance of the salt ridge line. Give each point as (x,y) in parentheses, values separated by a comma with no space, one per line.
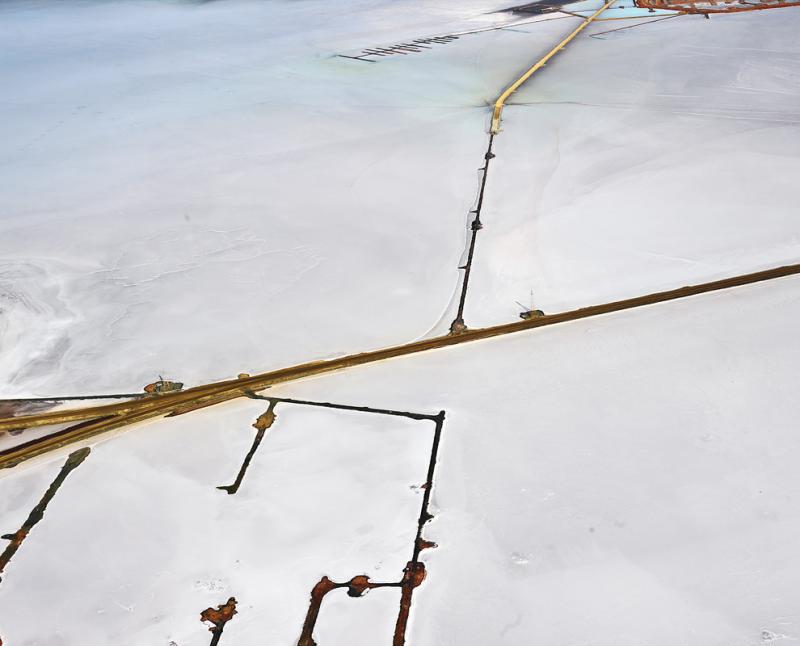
(115,416)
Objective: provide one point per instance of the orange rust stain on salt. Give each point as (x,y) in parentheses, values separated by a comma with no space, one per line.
(426,545)
(359,585)
(413,576)
(262,423)
(356,587)
(222,614)
(218,617)
(265,420)
(318,592)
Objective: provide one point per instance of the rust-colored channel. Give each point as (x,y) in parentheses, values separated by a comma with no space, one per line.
(264,421)
(413,576)
(413,573)
(715,6)
(218,617)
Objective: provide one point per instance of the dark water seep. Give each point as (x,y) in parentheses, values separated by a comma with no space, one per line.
(538,8)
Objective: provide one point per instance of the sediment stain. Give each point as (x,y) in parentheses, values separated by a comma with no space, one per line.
(413,574)
(264,421)
(356,587)
(15,407)
(218,617)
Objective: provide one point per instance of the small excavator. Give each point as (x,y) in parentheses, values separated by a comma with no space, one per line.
(163,386)
(529,312)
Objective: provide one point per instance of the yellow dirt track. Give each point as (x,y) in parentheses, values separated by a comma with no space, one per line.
(92,421)
(497,112)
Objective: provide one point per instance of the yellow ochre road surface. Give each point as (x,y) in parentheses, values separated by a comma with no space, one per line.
(497,113)
(91,421)
(99,419)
